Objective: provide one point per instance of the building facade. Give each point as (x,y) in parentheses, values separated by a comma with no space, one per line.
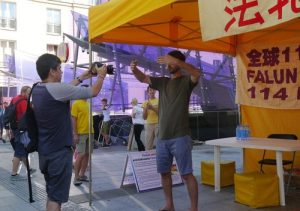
(29,28)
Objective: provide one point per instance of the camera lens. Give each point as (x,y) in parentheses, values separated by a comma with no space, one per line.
(98,64)
(110,69)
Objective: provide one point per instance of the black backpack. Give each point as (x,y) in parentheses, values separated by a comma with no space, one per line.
(28,127)
(9,117)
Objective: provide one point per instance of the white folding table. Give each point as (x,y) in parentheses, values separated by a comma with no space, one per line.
(278,145)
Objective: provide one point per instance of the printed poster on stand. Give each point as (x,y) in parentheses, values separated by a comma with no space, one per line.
(144,171)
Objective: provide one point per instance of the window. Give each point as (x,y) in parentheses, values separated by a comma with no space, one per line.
(52,49)
(53,21)
(8,15)
(7,53)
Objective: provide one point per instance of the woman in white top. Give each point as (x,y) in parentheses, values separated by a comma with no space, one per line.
(138,123)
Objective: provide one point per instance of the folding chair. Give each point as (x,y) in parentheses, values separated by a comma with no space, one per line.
(269,161)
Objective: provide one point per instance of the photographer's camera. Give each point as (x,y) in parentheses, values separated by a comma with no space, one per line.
(109,68)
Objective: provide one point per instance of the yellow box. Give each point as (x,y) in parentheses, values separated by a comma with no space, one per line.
(256,190)
(226,174)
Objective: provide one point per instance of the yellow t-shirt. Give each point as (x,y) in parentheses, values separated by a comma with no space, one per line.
(152,117)
(80,111)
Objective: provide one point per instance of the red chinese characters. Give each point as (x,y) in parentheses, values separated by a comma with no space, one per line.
(282,3)
(276,10)
(294,7)
(243,9)
(278,7)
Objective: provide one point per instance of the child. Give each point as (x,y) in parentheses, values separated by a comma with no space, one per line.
(105,123)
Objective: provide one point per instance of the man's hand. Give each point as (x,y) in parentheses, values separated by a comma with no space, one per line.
(172,61)
(101,71)
(86,75)
(150,106)
(133,64)
(75,139)
(167,59)
(138,74)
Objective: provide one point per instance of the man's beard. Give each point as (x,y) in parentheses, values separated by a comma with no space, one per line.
(173,71)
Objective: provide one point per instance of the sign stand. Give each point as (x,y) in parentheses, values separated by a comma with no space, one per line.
(140,169)
(130,139)
(127,178)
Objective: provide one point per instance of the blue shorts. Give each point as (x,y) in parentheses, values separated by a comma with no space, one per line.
(57,170)
(180,148)
(20,151)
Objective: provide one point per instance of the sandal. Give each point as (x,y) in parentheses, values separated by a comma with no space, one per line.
(84,178)
(77,182)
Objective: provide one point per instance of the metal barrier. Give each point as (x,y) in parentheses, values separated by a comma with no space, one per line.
(119,129)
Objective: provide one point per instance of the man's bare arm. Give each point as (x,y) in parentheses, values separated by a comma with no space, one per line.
(100,72)
(170,60)
(75,133)
(140,76)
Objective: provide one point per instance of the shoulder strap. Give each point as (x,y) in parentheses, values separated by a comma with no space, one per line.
(29,96)
(18,101)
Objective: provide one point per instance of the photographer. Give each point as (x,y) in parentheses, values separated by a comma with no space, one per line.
(51,105)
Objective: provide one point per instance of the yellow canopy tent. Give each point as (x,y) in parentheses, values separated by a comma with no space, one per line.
(161,23)
(175,23)
(172,23)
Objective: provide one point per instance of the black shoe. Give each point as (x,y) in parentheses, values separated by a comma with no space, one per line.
(105,145)
(84,178)
(77,182)
(3,141)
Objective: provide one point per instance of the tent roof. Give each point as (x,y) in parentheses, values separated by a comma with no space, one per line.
(172,23)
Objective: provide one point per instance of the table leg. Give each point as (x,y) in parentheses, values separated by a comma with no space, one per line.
(280,177)
(217,168)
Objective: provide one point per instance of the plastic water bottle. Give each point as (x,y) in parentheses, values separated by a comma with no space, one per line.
(248,132)
(238,132)
(243,133)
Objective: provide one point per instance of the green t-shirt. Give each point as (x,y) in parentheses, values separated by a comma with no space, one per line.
(174,97)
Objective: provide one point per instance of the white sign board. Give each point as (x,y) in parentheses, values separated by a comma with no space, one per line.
(128,177)
(144,170)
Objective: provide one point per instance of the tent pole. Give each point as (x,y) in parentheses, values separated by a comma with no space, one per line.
(90,128)
(239,121)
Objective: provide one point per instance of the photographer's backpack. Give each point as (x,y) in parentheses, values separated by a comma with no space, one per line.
(28,127)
